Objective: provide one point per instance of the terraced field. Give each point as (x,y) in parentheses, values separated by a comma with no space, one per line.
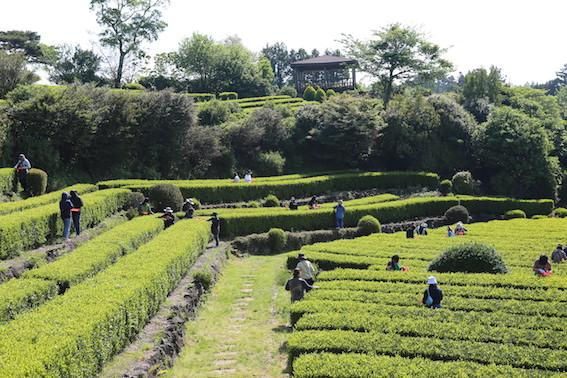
(366,321)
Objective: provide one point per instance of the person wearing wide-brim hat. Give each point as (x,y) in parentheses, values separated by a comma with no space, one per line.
(188,208)
(307,272)
(558,255)
(432,292)
(293,204)
(168,217)
(215,227)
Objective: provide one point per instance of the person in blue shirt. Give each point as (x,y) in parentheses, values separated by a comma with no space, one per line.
(339,214)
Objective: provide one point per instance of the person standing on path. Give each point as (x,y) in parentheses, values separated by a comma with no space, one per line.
(339,214)
(306,269)
(21,168)
(65,207)
(215,227)
(297,286)
(434,293)
(77,203)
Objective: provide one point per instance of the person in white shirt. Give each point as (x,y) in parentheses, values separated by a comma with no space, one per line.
(236,178)
(306,268)
(248,176)
(21,168)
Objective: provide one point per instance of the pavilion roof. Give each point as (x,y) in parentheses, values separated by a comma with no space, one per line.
(325,60)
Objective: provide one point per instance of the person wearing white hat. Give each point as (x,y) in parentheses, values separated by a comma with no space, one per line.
(293,204)
(168,217)
(422,229)
(432,296)
(22,167)
(188,208)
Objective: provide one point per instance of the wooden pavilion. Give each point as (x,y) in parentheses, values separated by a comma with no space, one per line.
(328,72)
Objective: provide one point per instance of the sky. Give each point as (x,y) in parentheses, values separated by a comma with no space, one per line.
(525,39)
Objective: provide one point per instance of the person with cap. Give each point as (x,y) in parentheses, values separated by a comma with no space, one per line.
(298,286)
(77,203)
(432,296)
(558,255)
(248,176)
(339,214)
(144,208)
(306,269)
(65,207)
(542,266)
(293,204)
(22,167)
(215,227)
(460,229)
(422,229)
(188,208)
(168,217)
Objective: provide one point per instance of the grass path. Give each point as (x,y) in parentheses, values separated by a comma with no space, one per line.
(241,330)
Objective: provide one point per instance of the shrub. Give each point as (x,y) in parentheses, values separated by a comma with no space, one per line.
(469,258)
(445,187)
(164,195)
(511,214)
(37,182)
(213,113)
(368,225)
(457,213)
(270,164)
(320,95)
(539,216)
(330,92)
(228,96)
(288,91)
(560,212)
(134,199)
(201,97)
(309,93)
(133,86)
(253,204)
(463,183)
(196,204)
(271,201)
(204,278)
(276,239)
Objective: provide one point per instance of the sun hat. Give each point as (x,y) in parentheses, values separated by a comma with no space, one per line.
(424,225)
(168,210)
(559,246)
(301,256)
(215,213)
(432,281)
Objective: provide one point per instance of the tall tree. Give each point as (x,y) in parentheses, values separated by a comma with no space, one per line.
(127,24)
(482,91)
(25,42)
(398,54)
(562,76)
(280,60)
(75,64)
(13,72)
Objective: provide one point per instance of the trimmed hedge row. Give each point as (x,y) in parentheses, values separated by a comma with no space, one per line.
(264,98)
(329,261)
(17,296)
(349,365)
(77,333)
(7,179)
(219,191)
(9,207)
(496,205)
(34,227)
(89,259)
(201,97)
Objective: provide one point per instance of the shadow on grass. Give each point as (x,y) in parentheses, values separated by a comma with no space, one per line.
(283,349)
(282,329)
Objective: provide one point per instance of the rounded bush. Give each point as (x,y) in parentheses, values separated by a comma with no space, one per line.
(196,204)
(464,183)
(511,214)
(37,181)
(320,95)
(253,204)
(288,91)
(469,258)
(276,239)
(271,201)
(368,225)
(445,187)
(309,93)
(133,86)
(330,92)
(560,212)
(457,213)
(228,95)
(164,195)
(539,216)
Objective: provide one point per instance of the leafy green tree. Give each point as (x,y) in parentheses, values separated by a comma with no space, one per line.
(513,152)
(562,76)
(127,24)
(75,64)
(398,54)
(280,60)
(13,72)
(481,91)
(24,42)
(562,101)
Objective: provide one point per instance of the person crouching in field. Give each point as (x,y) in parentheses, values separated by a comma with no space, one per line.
(298,286)
(542,266)
(394,264)
(558,255)
(432,296)
(168,217)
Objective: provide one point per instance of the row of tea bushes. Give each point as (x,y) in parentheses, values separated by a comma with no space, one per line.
(77,333)
(7,179)
(33,227)
(9,207)
(219,191)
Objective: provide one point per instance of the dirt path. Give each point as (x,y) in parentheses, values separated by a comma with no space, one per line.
(242,328)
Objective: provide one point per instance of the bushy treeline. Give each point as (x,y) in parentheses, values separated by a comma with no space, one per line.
(83,133)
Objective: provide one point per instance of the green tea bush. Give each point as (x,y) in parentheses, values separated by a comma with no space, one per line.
(330,92)
(271,201)
(204,278)
(213,113)
(288,91)
(445,187)
(464,183)
(320,95)
(201,97)
(228,96)
(7,179)
(164,195)
(309,93)
(368,225)
(456,214)
(560,212)
(469,258)
(511,214)
(37,182)
(276,239)
(133,86)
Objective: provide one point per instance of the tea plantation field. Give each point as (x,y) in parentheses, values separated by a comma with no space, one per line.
(366,321)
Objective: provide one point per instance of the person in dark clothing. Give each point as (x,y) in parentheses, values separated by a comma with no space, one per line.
(215,227)
(144,208)
(22,167)
(77,203)
(188,208)
(434,292)
(313,202)
(542,266)
(422,229)
(297,286)
(293,204)
(410,232)
(168,217)
(65,207)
